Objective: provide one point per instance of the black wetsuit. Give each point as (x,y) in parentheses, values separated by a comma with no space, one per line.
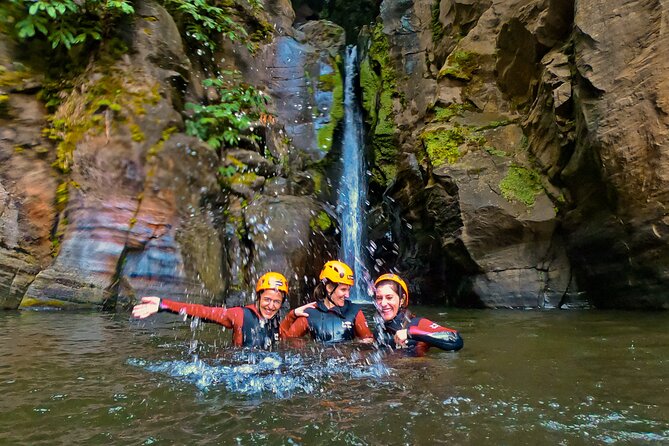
(422,333)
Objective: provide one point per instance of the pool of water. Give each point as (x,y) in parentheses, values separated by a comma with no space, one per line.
(523,377)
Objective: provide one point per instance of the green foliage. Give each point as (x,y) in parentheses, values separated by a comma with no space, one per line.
(223,122)
(64,23)
(203,21)
(521,184)
(437,28)
(460,65)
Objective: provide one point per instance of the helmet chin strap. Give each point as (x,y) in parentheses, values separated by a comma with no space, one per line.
(328,295)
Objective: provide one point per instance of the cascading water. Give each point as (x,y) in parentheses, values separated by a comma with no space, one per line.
(353,183)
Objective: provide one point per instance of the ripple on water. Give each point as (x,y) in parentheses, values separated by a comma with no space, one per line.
(281,375)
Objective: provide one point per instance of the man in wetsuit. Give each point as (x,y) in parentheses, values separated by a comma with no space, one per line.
(332,317)
(399,328)
(255,325)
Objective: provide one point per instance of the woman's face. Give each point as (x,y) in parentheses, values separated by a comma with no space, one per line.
(270,303)
(340,293)
(387,302)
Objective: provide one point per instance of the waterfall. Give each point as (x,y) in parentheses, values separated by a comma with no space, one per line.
(353,184)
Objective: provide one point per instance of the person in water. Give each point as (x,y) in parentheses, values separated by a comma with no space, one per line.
(331,317)
(399,328)
(255,325)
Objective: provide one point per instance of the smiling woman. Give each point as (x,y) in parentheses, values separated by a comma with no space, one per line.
(400,328)
(255,325)
(331,317)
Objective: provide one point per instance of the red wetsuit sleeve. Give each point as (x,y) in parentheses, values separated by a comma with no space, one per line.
(428,332)
(228,317)
(293,326)
(362,330)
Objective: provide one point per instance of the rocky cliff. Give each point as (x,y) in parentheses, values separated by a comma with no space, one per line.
(519,149)
(516,151)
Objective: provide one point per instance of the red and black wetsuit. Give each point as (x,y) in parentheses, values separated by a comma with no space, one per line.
(421,333)
(334,324)
(249,328)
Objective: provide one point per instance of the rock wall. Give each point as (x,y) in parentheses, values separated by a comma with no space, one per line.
(106,199)
(517,155)
(526,150)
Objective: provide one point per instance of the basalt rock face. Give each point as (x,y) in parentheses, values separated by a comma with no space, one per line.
(619,172)
(528,150)
(28,184)
(114,201)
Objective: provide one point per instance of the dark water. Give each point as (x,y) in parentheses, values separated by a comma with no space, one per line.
(560,377)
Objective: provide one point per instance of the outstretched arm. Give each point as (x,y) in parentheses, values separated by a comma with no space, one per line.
(148,306)
(224,316)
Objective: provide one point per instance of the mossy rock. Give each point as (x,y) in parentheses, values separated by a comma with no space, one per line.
(331,82)
(443,145)
(521,185)
(460,65)
(4,106)
(320,222)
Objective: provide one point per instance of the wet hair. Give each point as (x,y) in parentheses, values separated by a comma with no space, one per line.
(395,287)
(321,292)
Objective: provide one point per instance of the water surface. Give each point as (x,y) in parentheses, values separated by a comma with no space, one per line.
(524,377)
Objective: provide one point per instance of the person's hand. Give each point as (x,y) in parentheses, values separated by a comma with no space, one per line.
(148,306)
(299,311)
(366,340)
(401,338)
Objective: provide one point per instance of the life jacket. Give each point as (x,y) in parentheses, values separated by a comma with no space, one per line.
(334,324)
(256,332)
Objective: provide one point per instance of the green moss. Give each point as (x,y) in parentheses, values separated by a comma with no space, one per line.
(379,83)
(264,33)
(328,82)
(460,65)
(318,177)
(137,134)
(13,78)
(521,184)
(320,222)
(113,96)
(62,196)
(29,302)
(371,85)
(4,106)
(443,145)
(158,146)
(445,114)
(495,152)
(335,84)
(437,28)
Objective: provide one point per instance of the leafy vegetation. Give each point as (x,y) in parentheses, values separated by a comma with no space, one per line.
(223,122)
(63,23)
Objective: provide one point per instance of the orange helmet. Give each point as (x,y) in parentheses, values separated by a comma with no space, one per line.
(337,272)
(272,281)
(398,280)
